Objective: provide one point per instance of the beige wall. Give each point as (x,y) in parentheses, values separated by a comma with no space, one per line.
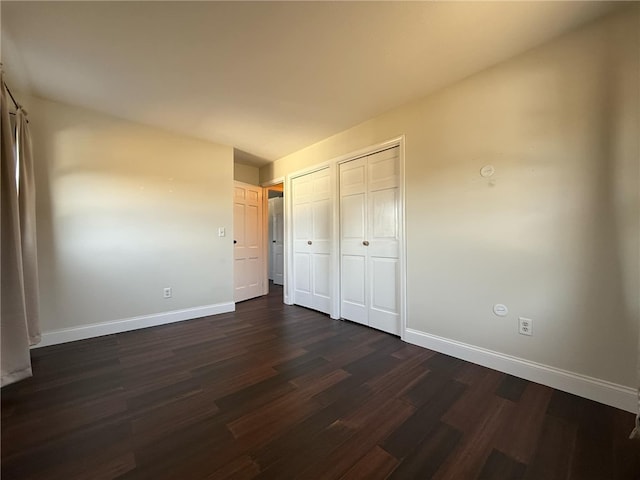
(246,174)
(554,234)
(124,210)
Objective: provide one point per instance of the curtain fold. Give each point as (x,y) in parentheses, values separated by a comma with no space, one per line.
(27,210)
(15,358)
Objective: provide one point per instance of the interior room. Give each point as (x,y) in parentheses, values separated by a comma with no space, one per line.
(359,240)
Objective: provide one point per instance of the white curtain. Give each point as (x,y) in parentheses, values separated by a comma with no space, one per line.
(19,323)
(27,208)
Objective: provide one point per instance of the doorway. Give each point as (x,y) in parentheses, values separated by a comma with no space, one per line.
(274,233)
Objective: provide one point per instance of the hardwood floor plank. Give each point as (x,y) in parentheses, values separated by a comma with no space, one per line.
(554,451)
(375,419)
(427,388)
(512,388)
(626,452)
(275,391)
(274,417)
(376,464)
(34,462)
(465,413)
(408,436)
(158,456)
(87,389)
(429,455)
(501,467)
(165,394)
(255,394)
(316,449)
(593,453)
(444,364)
(242,468)
(519,434)
(475,446)
(306,431)
(162,420)
(29,431)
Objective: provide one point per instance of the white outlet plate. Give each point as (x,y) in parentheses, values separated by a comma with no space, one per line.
(525,326)
(166,292)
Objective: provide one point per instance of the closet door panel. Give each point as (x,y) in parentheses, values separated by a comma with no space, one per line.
(353,177)
(321,218)
(369,240)
(322,282)
(302,196)
(383,170)
(303,273)
(312,231)
(353,302)
(383,222)
(352,224)
(384,301)
(302,276)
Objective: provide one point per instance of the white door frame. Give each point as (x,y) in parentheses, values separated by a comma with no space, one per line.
(335,244)
(265,222)
(275,243)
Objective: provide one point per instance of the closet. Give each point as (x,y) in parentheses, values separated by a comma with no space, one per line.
(311,196)
(370,240)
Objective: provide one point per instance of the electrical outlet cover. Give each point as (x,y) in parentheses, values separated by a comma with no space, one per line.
(525,326)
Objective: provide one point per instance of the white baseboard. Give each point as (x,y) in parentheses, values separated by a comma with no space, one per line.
(63,335)
(619,396)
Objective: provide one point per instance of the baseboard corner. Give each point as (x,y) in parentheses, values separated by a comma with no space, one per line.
(82,332)
(608,393)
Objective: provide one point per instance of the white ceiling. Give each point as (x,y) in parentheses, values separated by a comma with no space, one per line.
(268,77)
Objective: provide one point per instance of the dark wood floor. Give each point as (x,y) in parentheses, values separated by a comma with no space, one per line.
(278,392)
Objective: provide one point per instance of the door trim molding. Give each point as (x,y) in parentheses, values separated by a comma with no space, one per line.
(265,232)
(273,182)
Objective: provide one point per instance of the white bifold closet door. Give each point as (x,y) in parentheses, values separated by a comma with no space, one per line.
(312,219)
(369,240)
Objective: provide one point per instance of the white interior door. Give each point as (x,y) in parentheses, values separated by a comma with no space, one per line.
(311,204)
(276,241)
(369,240)
(247,234)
